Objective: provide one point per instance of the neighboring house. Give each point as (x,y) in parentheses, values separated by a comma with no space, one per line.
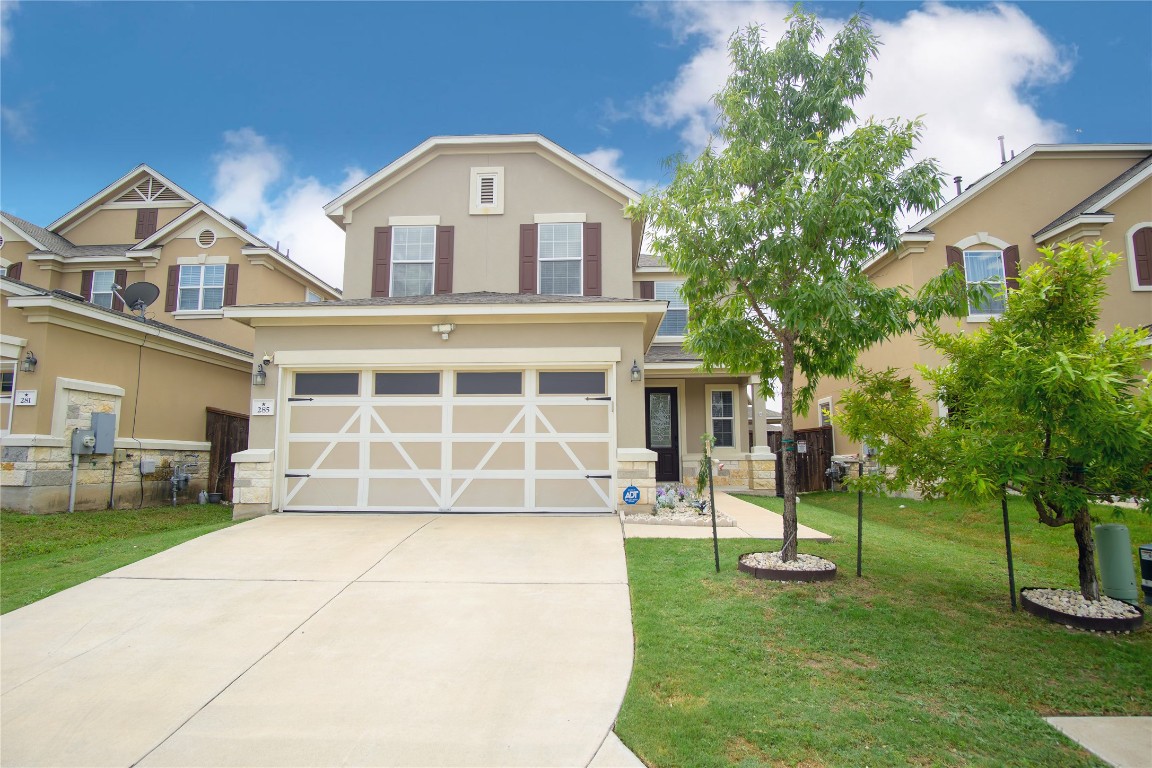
(501,346)
(195,366)
(1047,195)
(159,383)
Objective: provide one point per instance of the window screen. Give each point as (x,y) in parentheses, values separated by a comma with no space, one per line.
(327,384)
(571,382)
(408,383)
(489,383)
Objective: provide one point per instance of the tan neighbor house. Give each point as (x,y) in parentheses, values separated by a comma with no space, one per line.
(502,345)
(1047,195)
(195,367)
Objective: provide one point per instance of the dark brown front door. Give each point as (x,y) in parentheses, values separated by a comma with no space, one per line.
(662,430)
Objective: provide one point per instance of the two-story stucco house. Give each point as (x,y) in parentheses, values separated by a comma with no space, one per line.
(502,345)
(178,382)
(1046,195)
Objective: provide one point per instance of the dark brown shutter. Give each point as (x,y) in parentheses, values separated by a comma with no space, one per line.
(121,278)
(86,284)
(592,270)
(145,222)
(647,289)
(955,257)
(173,291)
(231,278)
(444,245)
(381,260)
(528,248)
(1142,250)
(1011,266)
(15,270)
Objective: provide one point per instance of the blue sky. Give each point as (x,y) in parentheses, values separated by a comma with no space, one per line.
(269,109)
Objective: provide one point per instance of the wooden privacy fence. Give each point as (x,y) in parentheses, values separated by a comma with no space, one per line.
(813,459)
(228,434)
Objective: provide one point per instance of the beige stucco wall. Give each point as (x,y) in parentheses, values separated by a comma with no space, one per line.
(468,335)
(112,226)
(486,256)
(15,251)
(1012,210)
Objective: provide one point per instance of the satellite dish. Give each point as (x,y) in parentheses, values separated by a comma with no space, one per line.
(139,296)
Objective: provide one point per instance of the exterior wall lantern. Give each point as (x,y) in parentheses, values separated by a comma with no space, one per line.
(260,378)
(637,374)
(28,364)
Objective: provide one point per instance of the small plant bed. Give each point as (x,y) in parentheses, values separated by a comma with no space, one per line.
(769,565)
(677,504)
(1070,608)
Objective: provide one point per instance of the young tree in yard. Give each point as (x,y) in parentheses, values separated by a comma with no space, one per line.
(1038,403)
(771,225)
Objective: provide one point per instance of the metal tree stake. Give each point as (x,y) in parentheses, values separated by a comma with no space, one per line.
(1008,547)
(712,501)
(859,518)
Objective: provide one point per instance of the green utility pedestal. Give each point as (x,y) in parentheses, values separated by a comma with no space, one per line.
(1117,575)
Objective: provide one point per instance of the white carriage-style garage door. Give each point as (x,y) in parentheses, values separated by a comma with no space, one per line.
(526,440)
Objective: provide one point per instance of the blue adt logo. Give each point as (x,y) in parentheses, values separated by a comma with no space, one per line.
(631,494)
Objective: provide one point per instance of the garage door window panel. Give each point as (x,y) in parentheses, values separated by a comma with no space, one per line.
(327,384)
(489,383)
(407,384)
(572,383)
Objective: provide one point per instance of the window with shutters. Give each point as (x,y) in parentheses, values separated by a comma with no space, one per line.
(985,268)
(413,261)
(487,193)
(1140,256)
(201,287)
(102,280)
(676,318)
(560,254)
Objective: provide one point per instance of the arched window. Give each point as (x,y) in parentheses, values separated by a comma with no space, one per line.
(990,261)
(1140,256)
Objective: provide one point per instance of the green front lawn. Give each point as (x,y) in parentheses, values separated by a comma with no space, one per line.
(920,662)
(43,554)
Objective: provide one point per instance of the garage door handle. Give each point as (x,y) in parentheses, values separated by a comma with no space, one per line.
(598,477)
(300,399)
(296,474)
(598,398)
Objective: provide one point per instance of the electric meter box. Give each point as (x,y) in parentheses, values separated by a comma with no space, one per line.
(104,425)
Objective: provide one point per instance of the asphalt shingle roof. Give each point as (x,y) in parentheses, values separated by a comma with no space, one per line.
(670,353)
(56,243)
(1090,203)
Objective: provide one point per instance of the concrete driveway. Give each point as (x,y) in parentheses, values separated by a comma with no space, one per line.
(312,640)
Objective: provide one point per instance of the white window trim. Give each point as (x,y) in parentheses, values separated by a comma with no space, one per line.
(560,218)
(824,401)
(708,390)
(201,310)
(413,221)
(982,239)
(110,293)
(431,260)
(539,259)
(474,206)
(198,314)
(311,296)
(1130,252)
(663,337)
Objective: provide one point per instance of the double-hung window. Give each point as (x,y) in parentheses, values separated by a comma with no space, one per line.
(102,281)
(561,259)
(413,261)
(724,417)
(676,318)
(201,287)
(985,268)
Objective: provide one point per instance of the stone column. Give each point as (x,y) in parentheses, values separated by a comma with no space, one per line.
(759,415)
(762,476)
(636,466)
(252,491)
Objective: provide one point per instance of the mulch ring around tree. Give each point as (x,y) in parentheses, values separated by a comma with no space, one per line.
(769,565)
(1068,607)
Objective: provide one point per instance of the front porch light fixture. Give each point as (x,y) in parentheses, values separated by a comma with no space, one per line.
(260,378)
(28,364)
(636,373)
(444,329)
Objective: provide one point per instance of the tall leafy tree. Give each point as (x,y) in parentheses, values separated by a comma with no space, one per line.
(770,226)
(1039,403)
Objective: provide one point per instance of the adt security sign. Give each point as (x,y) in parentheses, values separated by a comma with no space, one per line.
(631,494)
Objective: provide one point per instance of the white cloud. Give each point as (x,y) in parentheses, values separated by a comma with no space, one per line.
(17,122)
(7,8)
(607,159)
(251,184)
(966,70)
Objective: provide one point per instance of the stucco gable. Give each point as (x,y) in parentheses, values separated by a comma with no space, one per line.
(160,191)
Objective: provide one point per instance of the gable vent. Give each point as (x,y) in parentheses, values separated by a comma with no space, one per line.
(206,238)
(487,195)
(148,191)
(488,190)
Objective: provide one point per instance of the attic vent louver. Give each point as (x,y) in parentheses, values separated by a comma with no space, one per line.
(149,190)
(206,238)
(488,190)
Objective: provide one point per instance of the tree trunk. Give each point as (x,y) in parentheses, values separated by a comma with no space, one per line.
(788,450)
(1082,526)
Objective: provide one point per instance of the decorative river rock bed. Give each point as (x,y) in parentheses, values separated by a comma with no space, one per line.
(769,565)
(677,504)
(1068,607)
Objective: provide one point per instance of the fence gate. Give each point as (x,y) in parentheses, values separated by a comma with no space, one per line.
(813,459)
(228,434)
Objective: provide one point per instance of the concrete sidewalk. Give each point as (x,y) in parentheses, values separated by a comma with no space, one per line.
(308,640)
(752,522)
(1124,742)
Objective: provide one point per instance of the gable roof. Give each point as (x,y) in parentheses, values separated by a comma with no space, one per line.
(38,236)
(1094,204)
(115,189)
(178,223)
(371,186)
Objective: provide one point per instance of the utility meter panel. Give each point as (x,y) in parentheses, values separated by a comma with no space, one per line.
(104,425)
